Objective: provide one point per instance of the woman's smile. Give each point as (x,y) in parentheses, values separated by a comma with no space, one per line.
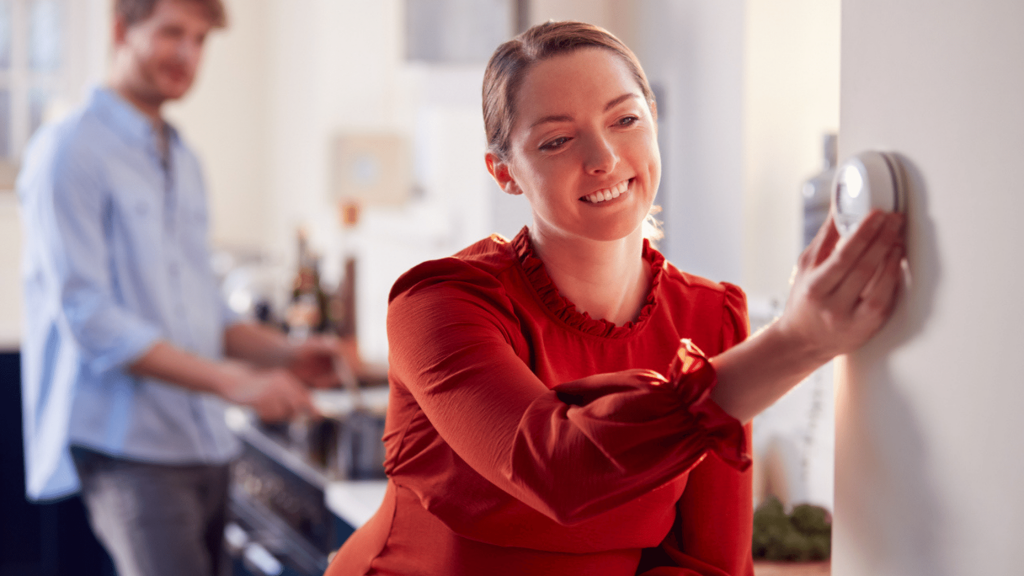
(606,195)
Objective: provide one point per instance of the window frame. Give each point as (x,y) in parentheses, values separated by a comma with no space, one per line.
(84,29)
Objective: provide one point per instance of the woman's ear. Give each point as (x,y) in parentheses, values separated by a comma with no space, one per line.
(501,173)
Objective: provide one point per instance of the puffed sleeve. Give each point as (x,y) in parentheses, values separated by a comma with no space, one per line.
(714,517)
(570,452)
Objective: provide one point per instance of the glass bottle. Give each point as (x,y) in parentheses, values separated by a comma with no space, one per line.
(307,311)
(816,191)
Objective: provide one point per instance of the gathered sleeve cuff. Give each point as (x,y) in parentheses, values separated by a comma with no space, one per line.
(624,427)
(694,378)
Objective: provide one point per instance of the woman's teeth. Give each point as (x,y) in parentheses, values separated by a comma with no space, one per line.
(607,193)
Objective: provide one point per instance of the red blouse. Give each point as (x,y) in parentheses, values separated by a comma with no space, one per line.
(510,451)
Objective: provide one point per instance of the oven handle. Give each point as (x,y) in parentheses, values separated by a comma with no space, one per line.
(255,557)
(260,560)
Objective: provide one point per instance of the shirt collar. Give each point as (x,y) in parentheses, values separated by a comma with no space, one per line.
(125,118)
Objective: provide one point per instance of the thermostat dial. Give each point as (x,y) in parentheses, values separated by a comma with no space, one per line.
(870,180)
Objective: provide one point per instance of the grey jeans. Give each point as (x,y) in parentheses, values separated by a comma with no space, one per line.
(156,519)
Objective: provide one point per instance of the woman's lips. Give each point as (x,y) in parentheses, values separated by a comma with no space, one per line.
(607,193)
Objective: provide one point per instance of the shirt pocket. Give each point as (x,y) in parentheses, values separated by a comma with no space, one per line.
(136,218)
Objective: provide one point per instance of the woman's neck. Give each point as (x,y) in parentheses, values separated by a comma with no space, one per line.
(608,280)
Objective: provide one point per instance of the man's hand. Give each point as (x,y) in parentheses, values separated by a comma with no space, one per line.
(312,361)
(316,360)
(275,394)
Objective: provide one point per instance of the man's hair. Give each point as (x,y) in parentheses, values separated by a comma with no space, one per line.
(135,11)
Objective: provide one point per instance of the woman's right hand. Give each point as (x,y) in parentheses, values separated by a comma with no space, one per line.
(844,289)
(843,292)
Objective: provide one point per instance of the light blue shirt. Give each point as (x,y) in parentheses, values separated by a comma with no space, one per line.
(115,258)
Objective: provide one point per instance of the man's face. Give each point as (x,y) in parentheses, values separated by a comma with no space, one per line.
(164,50)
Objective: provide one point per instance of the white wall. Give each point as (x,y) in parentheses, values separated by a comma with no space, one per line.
(791,99)
(928,441)
(223,118)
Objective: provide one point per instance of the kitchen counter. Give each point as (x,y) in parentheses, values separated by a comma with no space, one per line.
(355,501)
(352,501)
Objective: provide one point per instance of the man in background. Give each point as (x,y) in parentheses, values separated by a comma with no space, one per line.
(123,362)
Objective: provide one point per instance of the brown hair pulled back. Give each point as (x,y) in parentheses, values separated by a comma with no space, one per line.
(513,59)
(135,11)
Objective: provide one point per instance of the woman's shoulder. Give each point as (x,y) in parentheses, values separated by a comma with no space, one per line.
(696,292)
(680,280)
(479,267)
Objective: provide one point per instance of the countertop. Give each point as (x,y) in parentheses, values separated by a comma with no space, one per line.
(354,501)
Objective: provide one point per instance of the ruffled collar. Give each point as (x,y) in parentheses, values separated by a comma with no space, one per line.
(565,310)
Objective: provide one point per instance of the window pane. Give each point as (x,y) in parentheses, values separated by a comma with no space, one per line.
(5,124)
(5,34)
(44,35)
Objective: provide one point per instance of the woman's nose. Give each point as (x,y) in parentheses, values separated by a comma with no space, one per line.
(601,156)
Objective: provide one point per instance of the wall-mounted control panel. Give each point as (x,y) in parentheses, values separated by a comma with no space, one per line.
(870,180)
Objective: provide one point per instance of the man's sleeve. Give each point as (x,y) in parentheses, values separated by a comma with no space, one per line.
(66,210)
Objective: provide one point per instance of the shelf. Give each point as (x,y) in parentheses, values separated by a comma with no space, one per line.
(792,568)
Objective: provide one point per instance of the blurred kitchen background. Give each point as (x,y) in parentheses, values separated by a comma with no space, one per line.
(357,124)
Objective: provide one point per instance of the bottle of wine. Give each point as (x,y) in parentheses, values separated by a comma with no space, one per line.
(343,302)
(307,311)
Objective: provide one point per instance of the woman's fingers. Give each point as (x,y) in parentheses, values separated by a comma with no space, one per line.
(870,261)
(824,241)
(879,297)
(834,272)
(844,289)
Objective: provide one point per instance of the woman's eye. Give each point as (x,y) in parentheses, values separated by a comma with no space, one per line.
(628,120)
(554,144)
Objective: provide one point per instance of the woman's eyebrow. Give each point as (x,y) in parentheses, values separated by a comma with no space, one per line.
(553,118)
(566,118)
(615,102)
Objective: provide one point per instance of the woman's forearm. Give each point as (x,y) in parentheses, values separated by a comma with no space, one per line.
(842,294)
(759,371)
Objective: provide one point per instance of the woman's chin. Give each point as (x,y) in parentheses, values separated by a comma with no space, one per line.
(615,231)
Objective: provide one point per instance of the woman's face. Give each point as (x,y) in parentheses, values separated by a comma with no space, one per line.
(584,147)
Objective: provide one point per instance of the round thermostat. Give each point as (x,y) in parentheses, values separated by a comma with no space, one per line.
(870,180)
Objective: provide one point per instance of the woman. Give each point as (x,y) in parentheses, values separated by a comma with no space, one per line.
(567,402)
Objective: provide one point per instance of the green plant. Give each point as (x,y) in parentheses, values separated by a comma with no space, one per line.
(803,535)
